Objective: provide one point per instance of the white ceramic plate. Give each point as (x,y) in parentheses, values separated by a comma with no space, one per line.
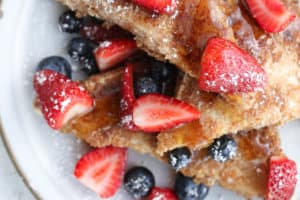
(29,32)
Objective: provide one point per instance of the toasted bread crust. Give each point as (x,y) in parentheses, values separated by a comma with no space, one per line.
(101,126)
(246,174)
(181,37)
(220,115)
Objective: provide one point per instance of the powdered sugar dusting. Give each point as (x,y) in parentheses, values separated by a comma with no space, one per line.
(64,104)
(159,197)
(105,44)
(227,68)
(222,151)
(283,178)
(55,94)
(126,120)
(41,78)
(249,81)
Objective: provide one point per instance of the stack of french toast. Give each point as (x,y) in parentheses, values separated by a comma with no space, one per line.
(238,76)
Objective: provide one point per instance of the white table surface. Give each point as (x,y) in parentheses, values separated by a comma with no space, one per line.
(11,185)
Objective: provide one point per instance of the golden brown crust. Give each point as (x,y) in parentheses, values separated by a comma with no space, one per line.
(180,38)
(101,127)
(247,173)
(220,115)
(152,32)
(117,136)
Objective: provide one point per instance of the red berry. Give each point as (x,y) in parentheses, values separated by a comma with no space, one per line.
(225,68)
(60,98)
(159,6)
(282,178)
(127,99)
(112,52)
(271,15)
(102,170)
(154,112)
(162,194)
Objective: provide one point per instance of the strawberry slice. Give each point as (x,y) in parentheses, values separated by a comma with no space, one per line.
(154,112)
(282,178)
(60,98)
(102,170)
(271,15)
(162,194)
(225,68)
(127,99)
(112,52)
(159,6)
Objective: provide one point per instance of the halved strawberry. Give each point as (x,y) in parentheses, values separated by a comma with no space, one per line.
(159,6)
(154,112)
(271,15)
(162,194)
(225,68)
(102,170)
(60,98)
(128,99)
(112,52)
(282,178)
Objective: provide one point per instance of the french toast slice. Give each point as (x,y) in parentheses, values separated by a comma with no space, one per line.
(180,38)
(219,116)
(246,174)
(101,127)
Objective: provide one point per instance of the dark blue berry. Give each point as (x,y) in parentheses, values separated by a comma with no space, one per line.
(91,20)
(161,71)
(69,23)
(179,158)
(146,85)
(56,63)
(166,75)
(80,48)
(223,148)
(186,189)
(139,182)
(90,66)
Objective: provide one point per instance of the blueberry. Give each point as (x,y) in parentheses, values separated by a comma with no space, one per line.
(166,74)
(90,66)
(179,158)
(69,23)
(161,71)
(139,182)
(223,148)
(55,63)
(91,20)
(186,189)
(80,48)
(146,85)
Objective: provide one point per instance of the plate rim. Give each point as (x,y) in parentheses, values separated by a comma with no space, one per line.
(7,147)
(15,164)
